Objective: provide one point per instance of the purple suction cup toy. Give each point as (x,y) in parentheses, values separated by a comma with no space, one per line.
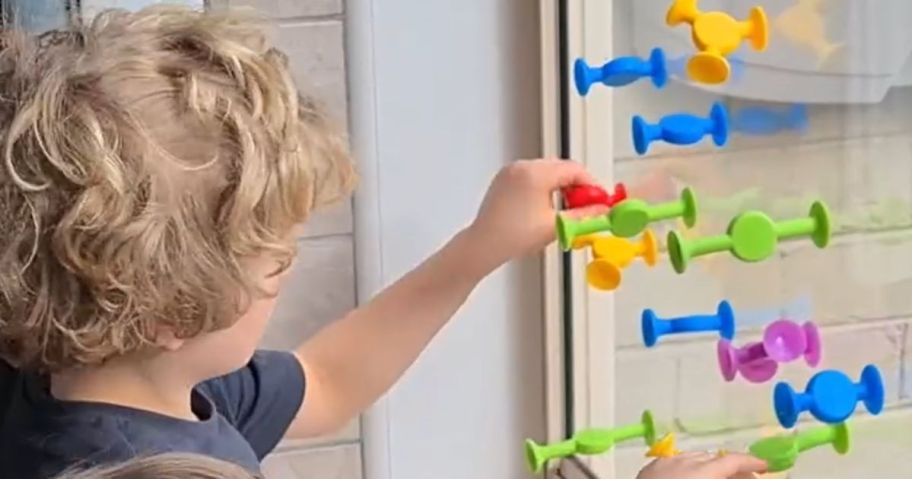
(814,346)
(750,361)
(784,341)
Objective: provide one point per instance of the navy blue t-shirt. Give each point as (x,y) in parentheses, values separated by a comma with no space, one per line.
(242,416)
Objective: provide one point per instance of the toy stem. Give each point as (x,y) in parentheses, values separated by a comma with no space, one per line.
(797,227)
(592,225)
(665,211)
(710,244)
(752,352)
(628,432)
(694,323)
(747,28)
(593,441)
(559,449)
(804,401)
(862,390)
(815,437)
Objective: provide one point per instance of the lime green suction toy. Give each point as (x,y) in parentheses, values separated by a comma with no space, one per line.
(752,237)
(781,452)
(569,229)
(589,442)
(628,218)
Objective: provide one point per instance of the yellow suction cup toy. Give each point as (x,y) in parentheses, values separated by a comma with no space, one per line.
(664,447)
(716,35)
(611,255)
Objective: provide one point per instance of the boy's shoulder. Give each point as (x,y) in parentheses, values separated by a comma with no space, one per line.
(242,416)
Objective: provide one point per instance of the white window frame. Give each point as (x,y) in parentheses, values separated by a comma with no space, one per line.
(588,35)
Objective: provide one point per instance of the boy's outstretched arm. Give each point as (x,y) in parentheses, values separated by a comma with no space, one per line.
(353,361)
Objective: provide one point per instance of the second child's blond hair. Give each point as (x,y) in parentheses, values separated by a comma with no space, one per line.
(164,466)
(144,159)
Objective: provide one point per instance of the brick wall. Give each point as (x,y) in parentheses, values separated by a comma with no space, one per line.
(859,160)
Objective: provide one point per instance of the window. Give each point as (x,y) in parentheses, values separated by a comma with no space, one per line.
(833,93)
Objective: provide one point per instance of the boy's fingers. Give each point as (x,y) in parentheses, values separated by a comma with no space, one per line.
(561,173)
(586,212)
(733,464)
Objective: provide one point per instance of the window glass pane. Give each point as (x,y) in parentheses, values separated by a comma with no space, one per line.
(91,7)
(823,113)
(37,15)
(42,15)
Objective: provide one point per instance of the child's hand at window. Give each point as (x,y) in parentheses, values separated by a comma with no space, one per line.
(704,465)
(517,215)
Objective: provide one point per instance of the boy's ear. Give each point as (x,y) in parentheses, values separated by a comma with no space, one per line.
(167,340)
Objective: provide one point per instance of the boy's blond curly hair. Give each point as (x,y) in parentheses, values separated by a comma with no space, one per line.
(144,157)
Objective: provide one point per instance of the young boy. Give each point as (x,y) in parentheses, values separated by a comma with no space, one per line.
(155,168)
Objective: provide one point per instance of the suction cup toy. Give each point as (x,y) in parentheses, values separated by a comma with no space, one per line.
(621,71)
(831,397)
(783,341)
(587,195)
(722,322)
(632,216)
(611,255)
(752,237)
(681,129)
(664,447)
(627,218)
(716,35)
(590,442)
(781,452)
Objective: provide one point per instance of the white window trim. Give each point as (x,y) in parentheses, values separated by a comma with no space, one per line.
(589,25)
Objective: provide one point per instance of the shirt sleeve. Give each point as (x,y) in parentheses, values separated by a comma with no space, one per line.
(261,399)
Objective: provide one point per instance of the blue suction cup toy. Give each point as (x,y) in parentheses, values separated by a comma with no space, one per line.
(722,322)
(681,129)
(621,71)
(830,396)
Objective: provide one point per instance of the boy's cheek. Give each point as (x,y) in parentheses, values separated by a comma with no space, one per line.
(236,344)
(272,285)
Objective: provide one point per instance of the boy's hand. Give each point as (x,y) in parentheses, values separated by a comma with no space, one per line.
(704,465)
(517,215)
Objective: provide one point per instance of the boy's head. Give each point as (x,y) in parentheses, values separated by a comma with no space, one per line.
(154,167)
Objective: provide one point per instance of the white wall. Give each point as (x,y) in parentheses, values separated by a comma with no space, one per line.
(443,94)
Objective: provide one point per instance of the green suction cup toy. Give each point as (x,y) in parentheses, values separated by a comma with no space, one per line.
(569,229)
(781,452)
(628,218)
(537,455)
(752,237)
(589,442)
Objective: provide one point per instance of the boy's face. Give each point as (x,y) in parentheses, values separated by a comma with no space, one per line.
(221,352)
